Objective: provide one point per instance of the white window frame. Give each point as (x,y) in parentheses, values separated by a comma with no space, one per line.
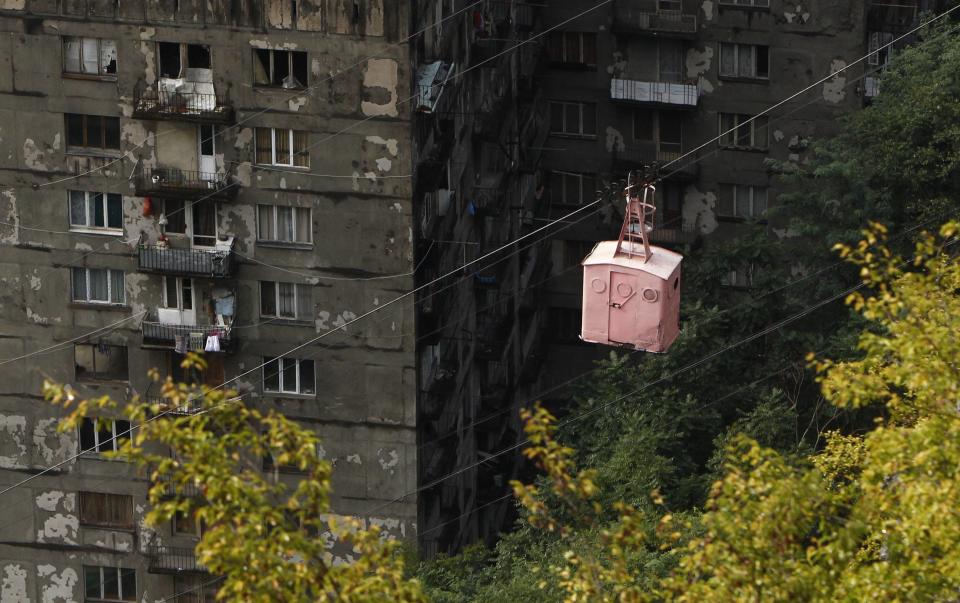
(101,73)
(86,273)
(123,597)
(733,135)
(273,149)
(580,106)
(752,212)
(737,50)
(276,224)
(281,386)
(299,290)
(90,197)
(114,437)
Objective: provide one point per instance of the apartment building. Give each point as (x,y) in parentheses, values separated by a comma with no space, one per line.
(506,143)
(226,175)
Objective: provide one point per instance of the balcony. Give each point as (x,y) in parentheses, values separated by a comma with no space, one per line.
(218,262)
(673,235)
(181,105)
(663,94)
(631,16)
(172,560)
(175,183)
(194,337)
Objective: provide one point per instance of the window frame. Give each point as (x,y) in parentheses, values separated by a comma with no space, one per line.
(583,58)
(754,64)
(87,200)
(95,378)
(101,74)
(581,107)
(281,377)
(746,4)
(127,524)
(298,291)
(295,210)
(102,580)
(734,134)
(86,148)
(273,148)
(733,190)
(116,436)
(580,176)
(270,74)
(110,272)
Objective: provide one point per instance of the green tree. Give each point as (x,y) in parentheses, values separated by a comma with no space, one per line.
(261,536)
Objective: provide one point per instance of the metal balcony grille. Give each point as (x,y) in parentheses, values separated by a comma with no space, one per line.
(187,106)
(187,262)
(174,182)
(628,16)
(195,336)
(659,93)
(168,559)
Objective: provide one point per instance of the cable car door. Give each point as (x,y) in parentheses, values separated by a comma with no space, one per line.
(622,310)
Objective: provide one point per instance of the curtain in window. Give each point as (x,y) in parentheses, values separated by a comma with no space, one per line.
(743,201)
(286,300)
(79,284)
(91,56)
(264,144)
(265,223)
(304,225)
(281,141)
(304,302)
(728,58)
(301,155)
(71,55)
(116,286)
(78,208)
(745,61)
(98,285)
(284,223)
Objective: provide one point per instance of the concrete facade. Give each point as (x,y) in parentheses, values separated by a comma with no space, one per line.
(86,106)
(628,84)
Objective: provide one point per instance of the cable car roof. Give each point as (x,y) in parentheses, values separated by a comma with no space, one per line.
(662,262)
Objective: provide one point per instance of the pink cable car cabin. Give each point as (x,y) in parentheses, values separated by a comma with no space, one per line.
(631,289)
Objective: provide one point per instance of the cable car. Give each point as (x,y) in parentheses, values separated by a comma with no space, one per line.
(631,289)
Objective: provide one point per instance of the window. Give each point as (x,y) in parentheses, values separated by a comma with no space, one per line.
(286,300)
(742,131)
(175,58)
(573,48)
(284,224)
(744,60)
(98,286)
(89,57)
(96,211)
(288,375)
(107,436)
(104,510)
(279,146)
(741,201)
(880,56)
(185,523)
(575,119)
(100,362)
(746,3)
(568,188)
(92,133)
(109,583)
(176,214)
(739,277)
(177,293)
(281,68)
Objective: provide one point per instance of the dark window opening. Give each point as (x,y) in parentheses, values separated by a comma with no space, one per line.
(93,132)
(282,68)
(176,216)
(175,58)
(100,362)
(106,510)
(169,55)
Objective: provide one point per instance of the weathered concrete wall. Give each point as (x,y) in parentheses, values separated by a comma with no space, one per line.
(357,186)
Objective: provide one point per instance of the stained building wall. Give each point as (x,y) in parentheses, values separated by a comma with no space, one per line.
(358,192)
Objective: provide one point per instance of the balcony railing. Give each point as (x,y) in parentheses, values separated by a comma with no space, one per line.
(633,17)
(673,233)
(183,184)
(199,107)
(170,560)
(655,93)
(217,263)
(193,337)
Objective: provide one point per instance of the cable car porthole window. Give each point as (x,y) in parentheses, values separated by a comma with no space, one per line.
(650,295)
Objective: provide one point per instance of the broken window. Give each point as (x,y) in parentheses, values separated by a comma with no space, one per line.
(279,146)
(109,583)
(86,133)
(105,435)
(105,510)
(283,68)
(743,131)
(286,300)
(100,362)
(288,375)
(284,224)
(96,211)
(744,60)
(741,201)
(89,56)
(175,58)
(98,286)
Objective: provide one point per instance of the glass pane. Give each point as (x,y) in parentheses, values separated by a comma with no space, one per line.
(186,293)
(743,131)
(271,375)
(264,144)
(170,292)
(743,201)
(128,584)
(91,582)
(301,156)
(289,375)
(268,298)
(78,208)
(71,55)
(74,130)
(111,132)
(282,146)
(111,583)
(304,302)
(745,61)
(114,211)
(94,131)
(286,300)
(304,225)
(285,223)
(98,285)
(108,57)
(99,214)
(760,132)
(307,385)
(90,53)
(117,294)
(265,225)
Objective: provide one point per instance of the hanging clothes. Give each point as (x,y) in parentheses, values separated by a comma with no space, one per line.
(213,343)
(180,344)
